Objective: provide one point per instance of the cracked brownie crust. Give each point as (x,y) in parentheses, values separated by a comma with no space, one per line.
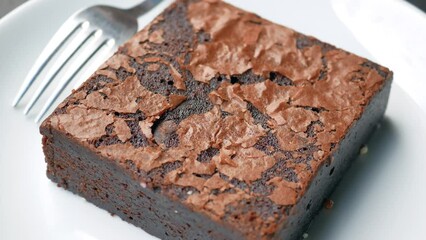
(215,112)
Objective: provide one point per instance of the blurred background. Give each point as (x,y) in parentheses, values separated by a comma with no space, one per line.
(8,5)
(419,3)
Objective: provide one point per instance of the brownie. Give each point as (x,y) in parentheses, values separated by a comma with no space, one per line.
(213,123)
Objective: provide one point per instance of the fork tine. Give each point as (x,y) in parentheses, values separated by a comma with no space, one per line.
(45,57)
(54,72)
(60,88)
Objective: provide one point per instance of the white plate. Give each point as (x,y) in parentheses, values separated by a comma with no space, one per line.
(382,197)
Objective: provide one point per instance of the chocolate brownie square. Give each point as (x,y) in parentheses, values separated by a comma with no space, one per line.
(213,123)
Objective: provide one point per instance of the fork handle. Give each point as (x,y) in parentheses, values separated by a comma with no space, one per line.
(143,8)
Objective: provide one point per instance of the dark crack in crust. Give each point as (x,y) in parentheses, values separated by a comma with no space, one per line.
(207,155)
(162,72)
(268,144)
(158,174)
(138,139)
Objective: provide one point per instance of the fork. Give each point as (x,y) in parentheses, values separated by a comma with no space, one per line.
(98,27)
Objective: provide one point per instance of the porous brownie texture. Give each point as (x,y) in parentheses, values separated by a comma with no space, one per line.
(213,123)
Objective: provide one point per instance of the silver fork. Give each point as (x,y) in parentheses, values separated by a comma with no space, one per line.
(94,28)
